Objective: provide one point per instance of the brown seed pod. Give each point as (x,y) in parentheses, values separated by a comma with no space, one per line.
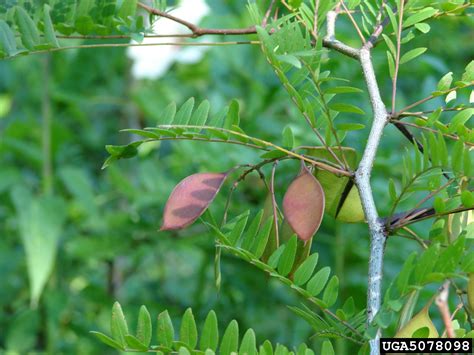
(303,204)
(190,198)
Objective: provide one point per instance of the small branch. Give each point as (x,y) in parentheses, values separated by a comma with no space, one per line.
(413,212)
(424,113)
(372,41)
(196,30)
(416,237)
(330,40)
(47,165)
(397,59)
(118,45)
(430,97)
(354,23)
(442,303)
(421,215)
(270,145)
(315,18)
(399,123)
(362,180)
(331,17)
(328,116)
(274,204)
(268,13)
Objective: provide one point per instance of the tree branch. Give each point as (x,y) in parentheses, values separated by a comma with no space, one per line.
(362,180)
(330,40)
(196,30)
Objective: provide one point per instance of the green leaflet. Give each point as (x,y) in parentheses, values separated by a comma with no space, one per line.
(343,107)
(134,343)
(238,228)
(168,115)
(7,39)
(29,33)
(261,239)
(210,333)
(184,114)
(445,82)
(248,345)
(331,291)
(419,16)
(275,257)
(306,269)
(144,326)
(40,223)
(200,115)
(107,340)
(118,325)
(326,348)
(251,233)
(318,281)
(128,8)
(165,330)
(230,340)
(233,115)
(285,263)
(188,330)
(412,54)
(49,28)
(460,119)
(288,138)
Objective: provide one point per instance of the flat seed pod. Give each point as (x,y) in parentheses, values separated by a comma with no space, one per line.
(190,198)
(303,204)
(420,320)
(470,291)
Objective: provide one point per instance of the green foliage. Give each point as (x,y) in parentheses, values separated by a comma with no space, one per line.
(186,342)
(96,227)
(279,265)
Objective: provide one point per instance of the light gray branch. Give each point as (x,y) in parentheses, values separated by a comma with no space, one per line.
(330,40)
(362,180)
(362,175)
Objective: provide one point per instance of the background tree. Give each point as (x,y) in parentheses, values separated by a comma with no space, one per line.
(427,188)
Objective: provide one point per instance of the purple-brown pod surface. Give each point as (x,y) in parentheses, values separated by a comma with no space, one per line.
(303,204)
(190,198)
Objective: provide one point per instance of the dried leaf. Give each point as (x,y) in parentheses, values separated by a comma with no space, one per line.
(190,198)
(303,204)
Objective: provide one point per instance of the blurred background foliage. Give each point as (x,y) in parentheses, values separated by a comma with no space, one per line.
(95,231)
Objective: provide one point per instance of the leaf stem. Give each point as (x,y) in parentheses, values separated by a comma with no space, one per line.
(397,58)
(267,144)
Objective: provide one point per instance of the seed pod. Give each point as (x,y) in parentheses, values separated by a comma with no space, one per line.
(190,198)
(470,292)
(420,320)
(303,204)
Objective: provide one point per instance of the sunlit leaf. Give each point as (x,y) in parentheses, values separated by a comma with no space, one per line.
(318,281)
(230,340)
(29,33)
(118,324)
(188,330)
(305,270)
(285,264)
(210,333)
(248,345)
(144,326)
(165,330)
